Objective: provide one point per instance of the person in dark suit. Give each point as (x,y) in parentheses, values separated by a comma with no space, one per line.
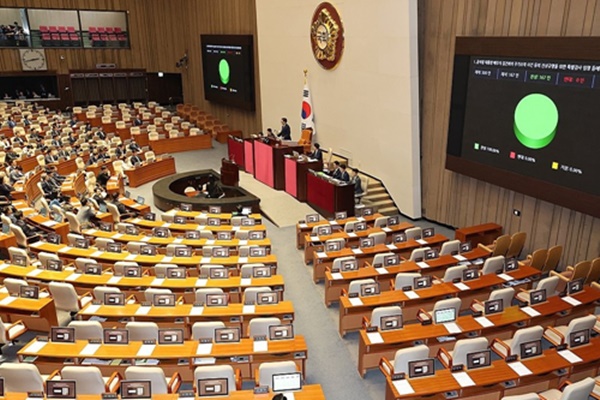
(100,134)
(355,180)
(317,154)
(50,190)
(337,171)
(344,174)
(103,177)
(27,230)
(135,159)
(134,147)
(286,131)
(137,121)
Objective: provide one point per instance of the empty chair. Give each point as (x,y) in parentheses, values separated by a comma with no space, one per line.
(450,247)
(150,292)
(100,291)
(380,222)
(72,238)
(418,254)
(454,303)
(171,248)
(260,326)
(156,376)
(505,294)
(81,262)
(380,257)
(414,233)
(509,347)
(552,259)
(161,269)
(10,331)
(206,234)
(341,241)
(205,269)
(570,391)
(102,243)
(74,225)
(20,237)
(378,237)
(348,227)
(404,279)
(402,358)
(150,156)
(594,274)
(537,259)
(355,286)
(250,294)
(21,377)
(247,270)
(89,379)
(493,264)
(241,234)
(337,262)
(120,266)
(549,284)
(206,329)
(462,348)
(167,217)
(13,285)
(561,334)
(234,379)
(139,331)
(134,247)
(517,242)
(85,330)
(499,247)
(121,227)
(67,301)
(201,219)
(264,376)
(15,251)
(237,220)
(581,270)
(202,293)
(381,312)
(44,257)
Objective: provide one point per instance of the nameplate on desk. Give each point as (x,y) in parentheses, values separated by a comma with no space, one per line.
(158,281)
(302,226)
(167,259)
(36,244)
(386,229)
(352,234)
(315,239)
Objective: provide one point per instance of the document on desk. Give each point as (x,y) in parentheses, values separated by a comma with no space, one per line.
(201,228)
(97,254)
(483,321)
(357,251)
(452,327)
(35,272)
(114,280)
(505,277)
(117,235)
(386,229)
(321,254)
(49,224)
(571,300)
(7,300)
(242,260)
(403,387)
(381,270)
(421,241)
(411,294)
(461,286)
(201,282)
(242,242)
(260,345)
(143,310)
(196,310)
(374,337)
(166,224)
(90,231)
(315,239)
(210,241)
(146,350)
(146,239)
(2,266)
(246,281)
(236,228)
(73,277)
(136,220)
(249,309)
(355,301)
(205,260)
(204,348)
(458,257)
(35,347)
(570,356)
(65,249)
(302,226)
(423,264)
(336,276)
(158,281)
(391,246)
(530,311)
(36,244)
(463,379)
(131,257)
(520,368)
(91,309)
(90,349)
(360,219)
(352,234)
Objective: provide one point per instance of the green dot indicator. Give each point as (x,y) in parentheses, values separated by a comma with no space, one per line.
(536,119)
(224,71)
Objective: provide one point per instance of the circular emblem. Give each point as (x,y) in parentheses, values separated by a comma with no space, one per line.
(327,36)
(224,71)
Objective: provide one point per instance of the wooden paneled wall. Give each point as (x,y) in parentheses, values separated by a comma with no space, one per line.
(458,200)
(160,33)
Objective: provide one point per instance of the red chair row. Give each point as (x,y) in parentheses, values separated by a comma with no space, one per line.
(54,29)
(101,30)
(60,39)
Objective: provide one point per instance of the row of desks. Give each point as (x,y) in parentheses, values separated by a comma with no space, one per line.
(302,228)
(149,225)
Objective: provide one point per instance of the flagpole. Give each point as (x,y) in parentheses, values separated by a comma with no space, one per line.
(305,75)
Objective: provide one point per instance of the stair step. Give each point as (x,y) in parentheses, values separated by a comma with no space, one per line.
(379,189)
(383,203)
(388,211)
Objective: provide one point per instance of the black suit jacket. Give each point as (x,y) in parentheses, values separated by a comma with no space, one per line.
(286,133)
(345,176)
(337,173)
(317,154)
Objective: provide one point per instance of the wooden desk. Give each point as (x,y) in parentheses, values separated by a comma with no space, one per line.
(350,316)
(302,228)
(324,260)
(178,144)
(6,241)
(49,225)
(328,197)
(52,356)
(484,233)
(490,381)
(553,312)
(151,171)
(296,171)
(149,225)
(334,283)
(140,209)
(224,217)
(37,314)
(184,315)
(269,166)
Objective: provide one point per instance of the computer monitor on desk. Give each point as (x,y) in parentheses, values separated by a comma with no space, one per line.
(281,332)
(60,389)
(537,296)
(531,349)
(479,359)
(390,322)
(444,315)
(227,335)
(579,338)
(116,336)
(288,382)
(421,368)
(136,389)
(213,387)
(493,306)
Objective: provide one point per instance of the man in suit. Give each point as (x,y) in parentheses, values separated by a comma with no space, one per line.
(344,175)
(355,180)
(103,177)
(134,147)
(100,134)
(337,171)
(286,131)
(11,124)
(50,190)
(135,159)
(137,121)
(317,154)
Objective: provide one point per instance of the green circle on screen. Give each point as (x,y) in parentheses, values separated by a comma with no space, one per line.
(224,71)
(536,119)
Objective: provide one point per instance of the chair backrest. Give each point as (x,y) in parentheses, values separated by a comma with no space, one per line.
(549,284)
(44,257)
(553,258)
(581,270)
(206,234)
(120,265)
(452,246)
(206,329)
(380,257)
(379,237)
(14,285)
(21,377)
(201,294)
(15,251)
(466,346)
(594,274)
(205,269)
(88,379)
(525,335)
(405,279)
(492,264)
(74,224)
(413,233)
(404,356)
(379,312)
(504,294)
(114,211)
(241,234)
(380,222)
(19,235)
(134,247)
(100,291)
(337,262)
(341,241)
(150,292)
(251,293)
(73,237)
(139,330)
(201,219)
(418,253)
(501,245)
(578,390)
(454,302)
(102,243)
(156,376)
(237,221)
(578,324)
(85,330)
(348,227)
(267,370)
(260,326)
(538,258)
(517,242)
(64,295)
(80,262)
(354,286)
(150,156)
(453,273)
(217,372)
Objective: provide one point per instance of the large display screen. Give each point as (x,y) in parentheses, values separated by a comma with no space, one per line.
(529,124)
(228,68)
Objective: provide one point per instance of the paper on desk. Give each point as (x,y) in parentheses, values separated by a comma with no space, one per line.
(205,260)
(461,286)
(201,282)
(236,228)
(336,276)
(97,253)
(35,346)
(242,242)
(571,300)
(351,234)
(49,223)
(166,224)
(90,231)
(355,301)
(72,277)
(131,257)
(117,235)
(391,246)
(506,277)
(520,368)
(90,349)
(315,239)
(403,387)
(114,280)
(375,337)
(167,259)
(36,244)
(204,348)
(386,229)
(530,311)
(2,266)
(242,260)
(143,310)
(64,249)
(246,281)
(91,309)
(360,219)
(302,226)
(320,254)
(171,212)
(201,228)
(158,281)
(458,257)
(452,327)
(357,251)
(196,310)
(145,239)
(483,321)
(421,241)
(570,356)
(35,272)
(7,300)
(463,379)
(423,264)
(381,270)
(261,345)
(210,241)
(136,220)
(248,309)
(146,350)
(411,294)
(178,240)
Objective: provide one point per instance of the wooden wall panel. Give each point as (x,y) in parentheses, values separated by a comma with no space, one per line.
(161,32)
(458,200)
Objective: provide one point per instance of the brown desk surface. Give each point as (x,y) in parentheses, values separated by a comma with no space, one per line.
(144,224)
(304,227)
(221,216)
(23,305)
(151,171)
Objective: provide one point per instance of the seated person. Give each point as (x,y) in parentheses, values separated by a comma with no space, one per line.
(124,211)
(213,189)
(31,234)
(5,187)
(51,191)
(86,216)
(317,153)
(337,171)
(135,159)
(344,175)
(355,180)
(103,177)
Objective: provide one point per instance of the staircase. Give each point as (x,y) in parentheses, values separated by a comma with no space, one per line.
(379,198)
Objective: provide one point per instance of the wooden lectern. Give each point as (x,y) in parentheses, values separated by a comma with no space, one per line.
(230,173)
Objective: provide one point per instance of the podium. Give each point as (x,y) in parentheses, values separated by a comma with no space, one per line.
(296,172)
(230,174)
(327,196)
(235,151)
(269,167)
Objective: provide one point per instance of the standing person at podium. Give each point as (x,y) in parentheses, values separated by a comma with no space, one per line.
(286,131)
(355,180)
